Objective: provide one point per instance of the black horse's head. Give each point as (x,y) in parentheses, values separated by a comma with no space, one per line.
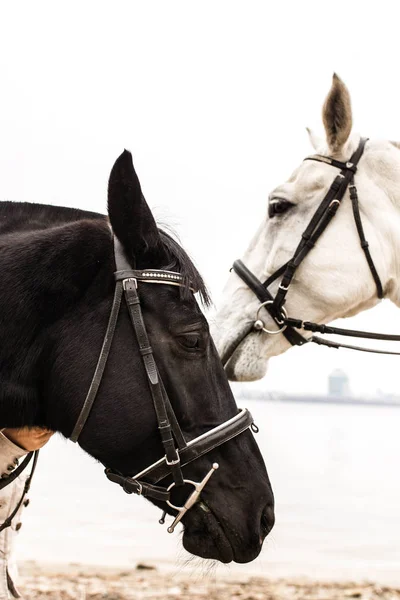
(236,511)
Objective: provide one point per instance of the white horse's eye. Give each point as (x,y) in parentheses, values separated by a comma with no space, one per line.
(278,206)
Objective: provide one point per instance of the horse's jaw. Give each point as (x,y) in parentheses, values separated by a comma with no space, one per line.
(245,353)
(246,364)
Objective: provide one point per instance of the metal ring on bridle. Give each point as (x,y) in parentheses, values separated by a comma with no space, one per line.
(259,324)
(187,481)
(191,499)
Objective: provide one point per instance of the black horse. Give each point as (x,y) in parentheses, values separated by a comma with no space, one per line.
(57,289)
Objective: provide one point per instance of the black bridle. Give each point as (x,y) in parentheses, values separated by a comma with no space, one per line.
(325,212)
(178,452)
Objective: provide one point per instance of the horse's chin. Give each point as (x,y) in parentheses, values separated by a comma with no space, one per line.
(205,537)
(246,363)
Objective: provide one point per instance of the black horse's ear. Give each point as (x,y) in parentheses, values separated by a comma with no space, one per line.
(130,216)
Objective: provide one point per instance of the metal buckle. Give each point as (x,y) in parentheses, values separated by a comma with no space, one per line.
(192,499)
(282,287)
(124,281)
(259,324)
(173,462)
(334,202)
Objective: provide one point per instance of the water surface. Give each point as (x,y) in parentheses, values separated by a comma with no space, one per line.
(334,470)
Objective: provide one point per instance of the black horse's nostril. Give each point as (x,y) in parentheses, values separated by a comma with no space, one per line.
(267,520)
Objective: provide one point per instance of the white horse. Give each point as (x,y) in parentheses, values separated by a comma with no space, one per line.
(334,280)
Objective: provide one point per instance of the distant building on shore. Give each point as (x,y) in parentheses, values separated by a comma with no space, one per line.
(338,384)
(338,392)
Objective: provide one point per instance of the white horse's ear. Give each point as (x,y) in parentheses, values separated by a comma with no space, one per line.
(336,115)
(315,140)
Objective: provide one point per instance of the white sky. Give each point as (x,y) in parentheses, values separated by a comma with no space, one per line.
(212,98)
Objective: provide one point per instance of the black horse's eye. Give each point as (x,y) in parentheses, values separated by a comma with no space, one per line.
(277,206)
(190,340)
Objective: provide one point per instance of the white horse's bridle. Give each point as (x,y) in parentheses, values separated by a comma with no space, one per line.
(325,212)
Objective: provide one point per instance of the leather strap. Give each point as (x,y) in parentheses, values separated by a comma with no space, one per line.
(152,276)
(332,161)
(196,448)
(320,220)
(363,242)
(131,486)
(329,329)
(264,295)
(101,364)
(126,283)
(121,261)
(204,444)
(337,346)
(146,351)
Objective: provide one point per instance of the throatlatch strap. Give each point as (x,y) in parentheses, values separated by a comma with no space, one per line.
(101,364)
(363,242)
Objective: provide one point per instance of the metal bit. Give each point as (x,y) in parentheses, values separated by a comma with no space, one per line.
(194,496)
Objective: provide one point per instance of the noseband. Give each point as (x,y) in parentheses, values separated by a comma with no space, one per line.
(178,452)
(325,212)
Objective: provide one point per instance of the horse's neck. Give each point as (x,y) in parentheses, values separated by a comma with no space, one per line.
(383,210)
(44,274)
(394,285)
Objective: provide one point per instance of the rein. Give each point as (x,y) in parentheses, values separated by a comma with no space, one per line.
(325,212)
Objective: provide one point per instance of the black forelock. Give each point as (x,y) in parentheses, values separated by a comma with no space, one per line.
(181,263)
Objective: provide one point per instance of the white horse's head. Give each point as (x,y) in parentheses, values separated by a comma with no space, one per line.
(334,280)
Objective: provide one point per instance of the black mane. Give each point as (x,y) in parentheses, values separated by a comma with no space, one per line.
(27,216)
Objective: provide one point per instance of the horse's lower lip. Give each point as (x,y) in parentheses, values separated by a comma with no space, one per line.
(205,537)
(234,344)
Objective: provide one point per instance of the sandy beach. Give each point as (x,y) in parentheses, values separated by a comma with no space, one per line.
(145,582)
